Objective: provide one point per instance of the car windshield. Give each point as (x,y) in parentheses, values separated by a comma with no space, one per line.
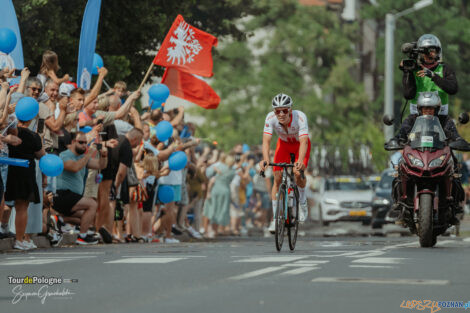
(386,181)
(346,184)
(427,133)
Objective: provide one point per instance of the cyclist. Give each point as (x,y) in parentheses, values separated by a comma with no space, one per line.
(292,130)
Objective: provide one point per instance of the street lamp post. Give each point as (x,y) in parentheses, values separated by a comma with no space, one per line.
(390,20)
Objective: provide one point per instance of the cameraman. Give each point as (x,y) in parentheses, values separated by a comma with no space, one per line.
(433,76)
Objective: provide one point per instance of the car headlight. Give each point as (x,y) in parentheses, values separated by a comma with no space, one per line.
(380,201)
(415,161)
(330,201)
(438,161)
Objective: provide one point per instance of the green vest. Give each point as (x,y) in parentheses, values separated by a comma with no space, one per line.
(426,84)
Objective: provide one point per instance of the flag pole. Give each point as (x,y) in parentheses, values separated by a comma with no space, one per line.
(146,75)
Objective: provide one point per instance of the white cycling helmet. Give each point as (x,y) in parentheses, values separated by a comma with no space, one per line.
(282,101)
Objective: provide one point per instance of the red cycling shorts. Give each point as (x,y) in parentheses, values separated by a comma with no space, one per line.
(283,151)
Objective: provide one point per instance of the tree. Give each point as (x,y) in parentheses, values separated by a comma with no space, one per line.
(307,53)
(448,20)
(129,32)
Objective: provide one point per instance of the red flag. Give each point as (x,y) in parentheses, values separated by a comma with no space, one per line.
(191,88)
(187,48)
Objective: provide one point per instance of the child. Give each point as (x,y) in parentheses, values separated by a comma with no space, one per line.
(49,68)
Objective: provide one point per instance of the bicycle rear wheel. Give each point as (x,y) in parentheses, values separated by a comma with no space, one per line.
(280,217)
(294,222)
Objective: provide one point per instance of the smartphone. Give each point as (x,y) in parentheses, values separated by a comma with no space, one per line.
(40,126)
(18,72)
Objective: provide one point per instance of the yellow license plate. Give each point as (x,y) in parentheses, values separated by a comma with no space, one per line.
(357,213)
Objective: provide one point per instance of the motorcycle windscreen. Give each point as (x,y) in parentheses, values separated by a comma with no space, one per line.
(427,132)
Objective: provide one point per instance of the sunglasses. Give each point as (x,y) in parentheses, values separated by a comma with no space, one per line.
(284,111)
(82,142)
(34,89)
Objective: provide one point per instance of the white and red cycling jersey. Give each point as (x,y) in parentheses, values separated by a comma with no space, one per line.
(297,126)
(289,136)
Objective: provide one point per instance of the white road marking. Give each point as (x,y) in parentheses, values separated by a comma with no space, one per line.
(257,273)
(163,256)
(71,257)
(380,260)
(299,265)
(64,253)
(273,259)
(300,270)
(397,281)
(445,242)
(312,262)
(32,261)
(144,260)
(467,239)
(372,266)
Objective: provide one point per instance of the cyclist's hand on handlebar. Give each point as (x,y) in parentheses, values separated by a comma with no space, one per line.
(299,166)
(263,165)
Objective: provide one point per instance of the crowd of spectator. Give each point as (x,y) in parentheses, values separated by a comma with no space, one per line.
(114,167)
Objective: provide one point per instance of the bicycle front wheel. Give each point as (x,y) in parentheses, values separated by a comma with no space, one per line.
(280,217)
(294,221)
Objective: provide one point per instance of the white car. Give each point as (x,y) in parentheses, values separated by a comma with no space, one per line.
(344,198)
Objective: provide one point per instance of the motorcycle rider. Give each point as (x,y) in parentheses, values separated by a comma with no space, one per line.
(429,103)
(434,76)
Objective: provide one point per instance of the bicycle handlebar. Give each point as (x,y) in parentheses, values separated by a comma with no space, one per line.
(261,173)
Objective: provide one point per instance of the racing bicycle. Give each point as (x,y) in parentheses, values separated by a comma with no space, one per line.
(286,216)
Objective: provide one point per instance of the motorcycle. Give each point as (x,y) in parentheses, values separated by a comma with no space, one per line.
(427,190)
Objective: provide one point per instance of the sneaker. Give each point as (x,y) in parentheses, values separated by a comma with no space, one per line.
(55,238)
(171,240)
(88,240)
(107,238)
(303,212)
(194,233)
(21,245)
(176,230)
(67,228)
(272,227)
(30,243)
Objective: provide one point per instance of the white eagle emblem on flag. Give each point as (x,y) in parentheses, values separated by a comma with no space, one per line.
(186,45)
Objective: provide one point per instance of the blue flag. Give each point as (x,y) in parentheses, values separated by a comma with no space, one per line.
(8,20)
(86,50)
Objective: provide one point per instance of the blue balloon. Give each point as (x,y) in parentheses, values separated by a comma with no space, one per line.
(154,104)
(97,62)
(86,129)
(246,148)
(159,93)
(177,160)
(51,165)
(26,109)
(163,130)
(165,194)
(7,40)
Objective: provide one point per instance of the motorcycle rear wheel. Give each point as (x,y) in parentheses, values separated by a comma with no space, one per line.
(425,218)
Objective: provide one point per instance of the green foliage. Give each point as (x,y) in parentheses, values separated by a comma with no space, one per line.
(307,53)
(129,32)
(448,20)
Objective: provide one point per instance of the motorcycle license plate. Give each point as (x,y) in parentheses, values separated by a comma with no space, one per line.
(427,141)
(357,213)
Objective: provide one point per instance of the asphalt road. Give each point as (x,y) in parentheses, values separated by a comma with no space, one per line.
(338,274)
